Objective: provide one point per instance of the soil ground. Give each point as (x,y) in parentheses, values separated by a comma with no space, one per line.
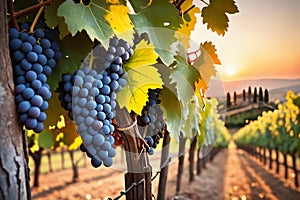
(232,175)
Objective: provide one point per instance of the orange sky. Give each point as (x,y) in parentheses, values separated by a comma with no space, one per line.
(263,40)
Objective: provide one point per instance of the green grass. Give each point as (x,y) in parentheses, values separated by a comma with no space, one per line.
(241,119)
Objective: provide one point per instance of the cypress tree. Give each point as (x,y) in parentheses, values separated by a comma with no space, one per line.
(228,99)
(266,96)
(234,97)
(255,95)
(249,94)
(260,94)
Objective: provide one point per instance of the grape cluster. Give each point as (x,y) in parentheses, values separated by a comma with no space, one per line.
(64,89)
(90,98)
(33,56)
(151,121)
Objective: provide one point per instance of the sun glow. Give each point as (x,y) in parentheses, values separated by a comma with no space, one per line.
(230,70)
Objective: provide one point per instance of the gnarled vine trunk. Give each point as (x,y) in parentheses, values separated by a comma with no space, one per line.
(13,164)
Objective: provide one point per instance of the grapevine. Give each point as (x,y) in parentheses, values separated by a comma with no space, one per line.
(110,55)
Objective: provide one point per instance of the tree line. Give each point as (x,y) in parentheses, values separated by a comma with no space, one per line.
(255,97)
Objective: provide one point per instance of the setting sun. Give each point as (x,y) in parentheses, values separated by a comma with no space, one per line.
(230,70)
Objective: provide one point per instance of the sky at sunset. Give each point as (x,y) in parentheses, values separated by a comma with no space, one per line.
(263,40)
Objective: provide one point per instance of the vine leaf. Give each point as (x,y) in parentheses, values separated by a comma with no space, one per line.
(184,76)
(173,110)
(138,5)
(70,134)
(205,65)
(192,122)
(141,77)
(53,112)
(74,50)
(45,139)
(211,50)
(215,15)
(58,124)
(52,20)
(91,18)
(189,21)
(119,20)
(160,27)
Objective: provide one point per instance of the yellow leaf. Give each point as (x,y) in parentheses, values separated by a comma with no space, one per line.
(141,77)
(77,142)
(211,50)
(144,55)
(189,22)
(201,87)
(120,22)
(205,65)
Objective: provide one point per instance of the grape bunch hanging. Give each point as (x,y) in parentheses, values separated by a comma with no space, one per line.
(34,56)
(151,121)
(90,98)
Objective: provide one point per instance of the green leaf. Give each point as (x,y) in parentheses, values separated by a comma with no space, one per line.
(160,20)
(173,110)
(74,50)
(185,76)
(215,15)
(91,18)
(52,20)
(45,140)
(138,5)
(192,122)
(141,77)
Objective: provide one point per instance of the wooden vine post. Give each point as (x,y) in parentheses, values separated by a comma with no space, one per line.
(191,158)
(138,166)
(270,159)
(182,141)
(285,165)
(277,160)
(198,166)
(164,166)
(294,160)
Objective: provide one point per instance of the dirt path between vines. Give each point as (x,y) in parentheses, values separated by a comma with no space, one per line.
(233,175)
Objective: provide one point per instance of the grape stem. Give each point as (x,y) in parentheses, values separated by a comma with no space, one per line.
(31,8)
(144,142)
(193,6)
(179,3)
(120,130)
(126,128)
(13,15)
(36,18)
(204,2)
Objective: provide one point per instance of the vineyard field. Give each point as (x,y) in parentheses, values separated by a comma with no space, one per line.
(233,174)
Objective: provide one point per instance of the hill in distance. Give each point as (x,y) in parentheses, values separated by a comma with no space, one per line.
(277,87)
